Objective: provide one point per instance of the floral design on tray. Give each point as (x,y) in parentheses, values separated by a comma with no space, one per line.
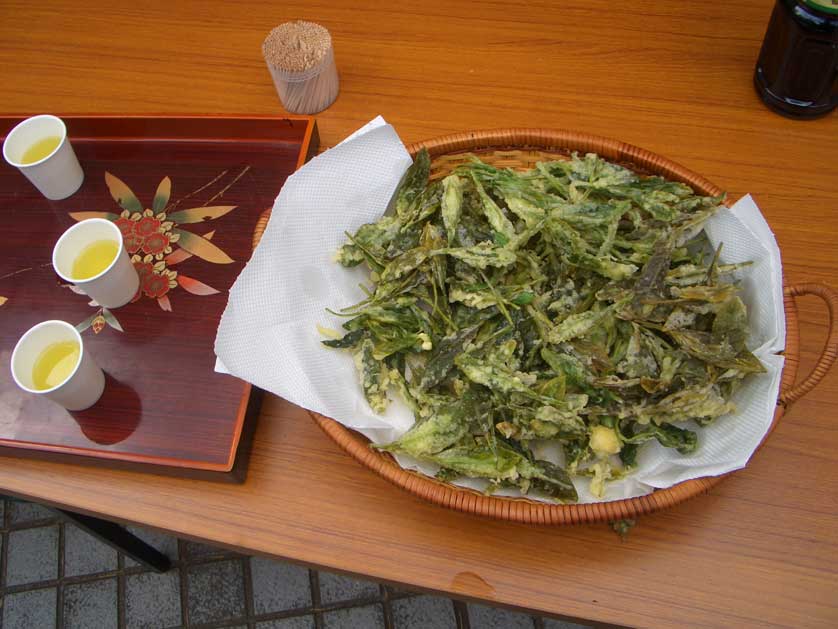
(98,320)
(156,241)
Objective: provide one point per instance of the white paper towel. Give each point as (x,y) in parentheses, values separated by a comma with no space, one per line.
(268,333)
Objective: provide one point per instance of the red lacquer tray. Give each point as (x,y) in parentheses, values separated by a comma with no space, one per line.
(190,191)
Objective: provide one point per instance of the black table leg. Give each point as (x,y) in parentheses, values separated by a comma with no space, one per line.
(119,538)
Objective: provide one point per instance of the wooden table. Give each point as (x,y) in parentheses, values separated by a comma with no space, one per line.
(673,77)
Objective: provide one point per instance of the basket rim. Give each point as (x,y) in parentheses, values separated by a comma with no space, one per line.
(522,509)
(523,138)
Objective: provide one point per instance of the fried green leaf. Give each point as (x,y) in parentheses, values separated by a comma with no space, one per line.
(452,205)
(412,185)
(481,256)
(444,429)
(577,304)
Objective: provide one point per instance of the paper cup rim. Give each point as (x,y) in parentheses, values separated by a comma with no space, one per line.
(27,122)
(80,225)
(31,331)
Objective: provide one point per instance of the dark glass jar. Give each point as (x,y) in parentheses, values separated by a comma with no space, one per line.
(797,71)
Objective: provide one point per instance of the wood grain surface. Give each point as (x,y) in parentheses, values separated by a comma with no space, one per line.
(672,77)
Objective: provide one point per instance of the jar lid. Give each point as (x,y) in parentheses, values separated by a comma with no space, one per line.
(828,6)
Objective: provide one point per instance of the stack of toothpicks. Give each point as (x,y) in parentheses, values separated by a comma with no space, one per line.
(301,61)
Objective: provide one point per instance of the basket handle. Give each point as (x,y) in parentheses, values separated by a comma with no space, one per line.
(830,349)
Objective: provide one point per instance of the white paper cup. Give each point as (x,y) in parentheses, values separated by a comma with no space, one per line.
(113,287)
(56,176)
(82,388)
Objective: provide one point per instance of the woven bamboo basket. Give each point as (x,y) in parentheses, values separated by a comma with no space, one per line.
(521,149)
